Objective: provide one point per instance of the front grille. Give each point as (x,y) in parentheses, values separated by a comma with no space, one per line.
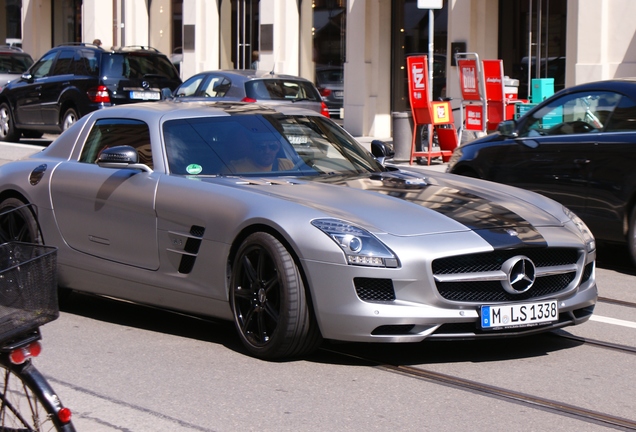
(369,289)
(490,261)
(485,291)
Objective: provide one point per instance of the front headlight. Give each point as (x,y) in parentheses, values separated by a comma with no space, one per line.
(588,238)
(360,246)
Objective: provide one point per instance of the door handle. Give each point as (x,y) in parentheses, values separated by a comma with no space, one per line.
(581,161)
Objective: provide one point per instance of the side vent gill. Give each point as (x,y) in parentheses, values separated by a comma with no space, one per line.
(186,246)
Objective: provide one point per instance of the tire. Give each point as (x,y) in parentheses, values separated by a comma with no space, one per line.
(32,134)
(631,235)
(268,299)
(69,118)
(18,225)
(8,132)
(23,404)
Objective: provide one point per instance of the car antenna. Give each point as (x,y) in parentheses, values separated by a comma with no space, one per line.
(272,71)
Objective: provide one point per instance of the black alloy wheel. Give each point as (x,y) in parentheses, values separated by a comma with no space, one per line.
(268,300)
(18,223)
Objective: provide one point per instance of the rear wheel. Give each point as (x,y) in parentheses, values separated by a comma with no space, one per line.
(69,118)
(269,302)
(8,132)
(19,224)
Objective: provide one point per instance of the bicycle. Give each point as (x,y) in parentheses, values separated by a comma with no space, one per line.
(28,300)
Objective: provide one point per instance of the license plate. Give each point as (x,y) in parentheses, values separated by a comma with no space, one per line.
(519,315)
(338,93)
(145,95)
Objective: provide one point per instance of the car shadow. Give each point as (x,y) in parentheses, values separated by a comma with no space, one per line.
(436,352)
(615,257)
(221,332)
(153,319)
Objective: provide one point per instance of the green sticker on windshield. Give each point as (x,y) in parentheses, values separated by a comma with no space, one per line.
(194,169)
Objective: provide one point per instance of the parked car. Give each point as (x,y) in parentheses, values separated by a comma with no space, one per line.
(255,86)
(576,147)
(279,220)
(330,84)
(13,63)
(70,81)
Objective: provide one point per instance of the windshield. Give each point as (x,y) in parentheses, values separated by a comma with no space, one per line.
(279,89)
(267,144)
(15,64)
(138,66)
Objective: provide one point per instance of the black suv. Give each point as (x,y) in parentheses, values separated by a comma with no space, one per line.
(70,81)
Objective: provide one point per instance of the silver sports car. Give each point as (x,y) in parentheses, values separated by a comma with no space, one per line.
(280,221)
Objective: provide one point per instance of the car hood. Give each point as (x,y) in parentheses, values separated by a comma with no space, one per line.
(406,204)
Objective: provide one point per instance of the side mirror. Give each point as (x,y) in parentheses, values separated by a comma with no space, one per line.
(121,157)
(381,150)
(507,128)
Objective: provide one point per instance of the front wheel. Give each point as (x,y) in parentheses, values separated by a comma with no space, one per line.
(69,118)
(8,132)
(268,299)
(28,403)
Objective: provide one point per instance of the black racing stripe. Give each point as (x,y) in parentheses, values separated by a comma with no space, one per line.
(499,226)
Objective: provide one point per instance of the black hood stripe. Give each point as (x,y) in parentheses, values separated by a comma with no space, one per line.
(499,226)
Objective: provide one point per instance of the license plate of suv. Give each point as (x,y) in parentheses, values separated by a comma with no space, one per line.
(519,315)
(145,95)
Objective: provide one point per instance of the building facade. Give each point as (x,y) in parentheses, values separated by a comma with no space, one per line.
(575,41)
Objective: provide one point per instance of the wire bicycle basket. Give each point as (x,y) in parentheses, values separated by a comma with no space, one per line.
(28,288)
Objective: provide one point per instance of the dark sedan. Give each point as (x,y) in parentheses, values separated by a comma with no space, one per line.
(577,147)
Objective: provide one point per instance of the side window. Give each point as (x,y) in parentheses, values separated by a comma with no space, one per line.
(63,63)
(217,87)
(573,114)
(86,63)
(43,66)
(624,116)
(189,87)
(108,133)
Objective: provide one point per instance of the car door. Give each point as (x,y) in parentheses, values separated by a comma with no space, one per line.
(106,212)
(52,86)
(553,151)
(612,183)
(28,90)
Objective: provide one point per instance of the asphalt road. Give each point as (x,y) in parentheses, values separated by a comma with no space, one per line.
(124,367)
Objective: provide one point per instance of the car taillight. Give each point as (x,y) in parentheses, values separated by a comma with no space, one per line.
(325,92)
(324,110)
(99,94)
(248,99)
(20,355)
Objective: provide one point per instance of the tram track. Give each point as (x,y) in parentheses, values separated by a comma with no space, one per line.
(536,402)
(617,302)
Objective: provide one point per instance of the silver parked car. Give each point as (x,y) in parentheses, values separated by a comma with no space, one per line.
(265,88)
(13,63)
(280,221)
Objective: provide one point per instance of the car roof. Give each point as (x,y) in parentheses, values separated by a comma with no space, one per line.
(184,108)
(13,50)
(252,74)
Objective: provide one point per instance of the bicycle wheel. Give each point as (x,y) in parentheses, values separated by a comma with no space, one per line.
(27,401)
